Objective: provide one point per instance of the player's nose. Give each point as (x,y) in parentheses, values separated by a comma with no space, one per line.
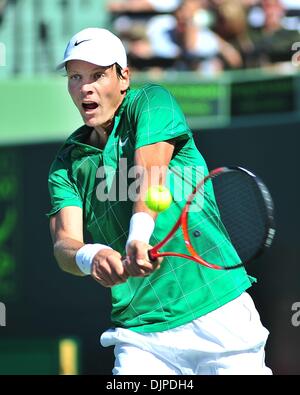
(86,89)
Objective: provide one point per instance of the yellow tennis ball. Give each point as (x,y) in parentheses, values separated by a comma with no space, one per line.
(158,198)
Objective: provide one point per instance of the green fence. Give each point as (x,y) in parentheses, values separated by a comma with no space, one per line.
(38,110)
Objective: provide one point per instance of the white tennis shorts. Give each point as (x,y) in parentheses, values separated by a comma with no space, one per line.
(228,340)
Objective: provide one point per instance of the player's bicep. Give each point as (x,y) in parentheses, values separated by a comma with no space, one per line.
(158,154)
(67,223)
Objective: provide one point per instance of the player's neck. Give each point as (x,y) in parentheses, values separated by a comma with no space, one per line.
(98,138)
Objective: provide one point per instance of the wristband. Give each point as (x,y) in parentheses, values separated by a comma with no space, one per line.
(84,256)
(141,227)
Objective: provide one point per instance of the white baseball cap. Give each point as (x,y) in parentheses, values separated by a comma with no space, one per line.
(97,46)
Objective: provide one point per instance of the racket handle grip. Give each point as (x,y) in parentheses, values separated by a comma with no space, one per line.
(152,255)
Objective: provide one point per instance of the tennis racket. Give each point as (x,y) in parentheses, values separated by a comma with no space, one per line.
(235,206)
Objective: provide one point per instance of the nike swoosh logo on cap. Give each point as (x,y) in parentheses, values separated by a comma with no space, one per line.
(79,42)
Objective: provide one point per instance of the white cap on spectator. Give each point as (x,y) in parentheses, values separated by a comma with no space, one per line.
(97,46)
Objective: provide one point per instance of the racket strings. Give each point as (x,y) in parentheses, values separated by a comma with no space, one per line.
(232,223)
(242,210)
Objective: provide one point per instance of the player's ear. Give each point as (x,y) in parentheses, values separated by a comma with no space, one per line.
(125,80)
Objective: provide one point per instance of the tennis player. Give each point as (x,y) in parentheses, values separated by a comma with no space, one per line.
(170,317)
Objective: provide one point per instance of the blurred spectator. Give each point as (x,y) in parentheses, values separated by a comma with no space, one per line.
(140,53)
(130,23)
(256,16)
(291,20)
(274,42)
(132,32)
(266,41)
(231,19)
(232,25)
(3,4)
(250,3)
(140,6)
(204,35)
(187,37)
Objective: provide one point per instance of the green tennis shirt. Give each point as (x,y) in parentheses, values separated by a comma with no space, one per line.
(102,183)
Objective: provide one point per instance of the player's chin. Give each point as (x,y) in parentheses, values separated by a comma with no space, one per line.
(89,120)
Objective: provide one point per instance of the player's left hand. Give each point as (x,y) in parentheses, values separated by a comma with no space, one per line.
(137,262)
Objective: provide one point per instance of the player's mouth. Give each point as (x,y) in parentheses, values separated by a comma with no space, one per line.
(89,106)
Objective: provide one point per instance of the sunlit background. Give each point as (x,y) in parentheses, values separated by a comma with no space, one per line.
(238,83)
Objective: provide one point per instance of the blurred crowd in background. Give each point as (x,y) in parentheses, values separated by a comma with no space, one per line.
(206,35)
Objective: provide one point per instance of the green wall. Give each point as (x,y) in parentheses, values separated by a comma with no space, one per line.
(40,109)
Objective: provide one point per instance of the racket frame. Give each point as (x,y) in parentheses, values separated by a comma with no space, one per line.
(182,222)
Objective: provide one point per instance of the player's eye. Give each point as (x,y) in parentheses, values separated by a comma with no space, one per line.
(75,77)
(98,75)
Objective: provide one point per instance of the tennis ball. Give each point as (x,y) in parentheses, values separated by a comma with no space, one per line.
(158,198)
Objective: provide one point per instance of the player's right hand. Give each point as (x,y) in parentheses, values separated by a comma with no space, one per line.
(108,269)
(137,262)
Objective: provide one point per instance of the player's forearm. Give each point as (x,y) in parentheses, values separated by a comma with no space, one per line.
(153,161)
(141,206)
(153,172)
(65,252)
(142,222)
